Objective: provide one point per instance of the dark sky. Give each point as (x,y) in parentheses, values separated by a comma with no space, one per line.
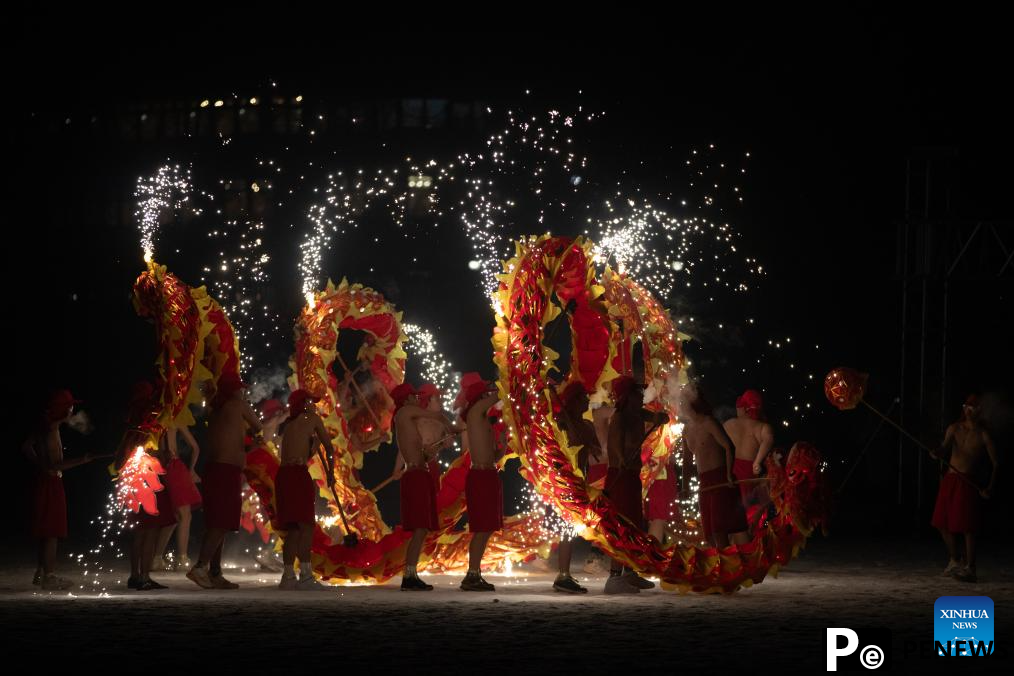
(829,113)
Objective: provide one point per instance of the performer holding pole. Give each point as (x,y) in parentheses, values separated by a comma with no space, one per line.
(295,492)
(958,508)
(419,476)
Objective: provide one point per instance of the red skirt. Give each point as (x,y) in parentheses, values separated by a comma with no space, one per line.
(166,515)
(623,486)
(743,469)
(223,495)
(294,494)
(434,469)
(484,500)
(182,489)
(721,508)
(959,506)
(597,474)
(418,499)
(662,497)
(49,507)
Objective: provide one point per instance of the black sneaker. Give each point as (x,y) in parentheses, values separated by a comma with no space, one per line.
(414,584)
(567,584)
(149,585)
(133,582)
(474,582)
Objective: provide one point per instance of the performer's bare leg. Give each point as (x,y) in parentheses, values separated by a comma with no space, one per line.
(47,555)
(290,546)
(211,546)
(656,529)
(970,551)
(414,549)
(566,552)
(305,542)
(476,548)
(183,517)
(740,538)
(216,561)
(164,534)
(952,549)
(721,540)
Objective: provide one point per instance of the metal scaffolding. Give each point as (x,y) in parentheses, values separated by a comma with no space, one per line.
(939,255)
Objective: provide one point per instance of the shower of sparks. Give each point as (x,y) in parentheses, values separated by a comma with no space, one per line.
(436,368)
(166,190)
(528,176)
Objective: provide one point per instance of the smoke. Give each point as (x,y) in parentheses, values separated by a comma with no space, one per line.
(265,382)
(81,423)
(996,414)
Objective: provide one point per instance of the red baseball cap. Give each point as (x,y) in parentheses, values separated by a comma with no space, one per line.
(59,402)
(426,392)
(473,387)
(401,393)
(270,408)
(298,401)
(572,391)
(751,402)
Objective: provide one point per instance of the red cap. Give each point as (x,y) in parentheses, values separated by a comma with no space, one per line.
(751,402)
(230,383)
(298,401)
(473,387)
(401,393)
(426,392)
(572,391)
(270,408)
(622,387)
(59,402)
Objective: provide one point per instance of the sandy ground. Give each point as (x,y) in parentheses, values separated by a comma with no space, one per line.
(524,626)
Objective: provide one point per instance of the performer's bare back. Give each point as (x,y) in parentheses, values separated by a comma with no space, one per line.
(704,437)
(480,433)
(227,431)
(301,438)
(748,436)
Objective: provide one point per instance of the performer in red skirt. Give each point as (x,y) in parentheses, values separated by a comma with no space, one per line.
(722,513)
(222,481)
(419,478)
(48,508)
(295,492)
(958,509)
(483,488)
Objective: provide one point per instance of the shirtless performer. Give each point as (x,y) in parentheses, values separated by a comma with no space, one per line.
(580,432)
(753,439)
(721,508)
(231,416)
(628,429)
(49,502)
(959,503)
(304,432)
(434,436)
(181,484)
(273,414)
(419,475)
(483,488)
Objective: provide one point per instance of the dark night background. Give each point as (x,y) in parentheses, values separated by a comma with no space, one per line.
(832,115)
